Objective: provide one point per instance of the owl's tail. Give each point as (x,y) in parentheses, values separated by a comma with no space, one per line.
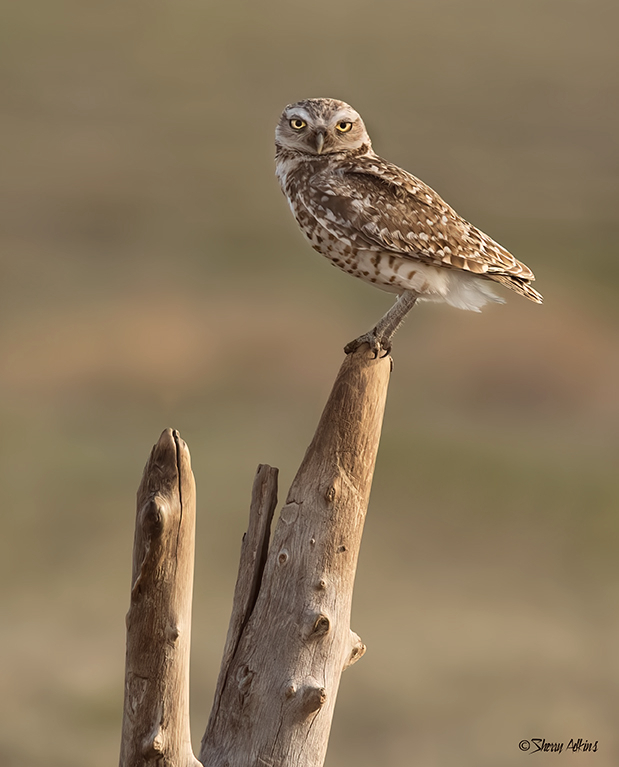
(518,285)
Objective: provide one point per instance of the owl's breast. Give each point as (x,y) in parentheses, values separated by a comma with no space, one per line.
(342,244)
(338,247)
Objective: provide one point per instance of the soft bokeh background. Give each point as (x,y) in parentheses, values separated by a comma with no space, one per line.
(152,276)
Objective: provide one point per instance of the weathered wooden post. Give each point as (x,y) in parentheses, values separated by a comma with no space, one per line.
(156,710)
(289,637)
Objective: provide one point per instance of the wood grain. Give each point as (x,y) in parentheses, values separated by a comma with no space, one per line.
(155,727)
(277,687)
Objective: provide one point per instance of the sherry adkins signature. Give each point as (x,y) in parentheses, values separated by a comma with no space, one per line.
(541,744)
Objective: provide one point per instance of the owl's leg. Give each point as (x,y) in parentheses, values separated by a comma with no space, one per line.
(379,338)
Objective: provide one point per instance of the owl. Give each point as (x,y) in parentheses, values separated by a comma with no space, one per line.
(377,222)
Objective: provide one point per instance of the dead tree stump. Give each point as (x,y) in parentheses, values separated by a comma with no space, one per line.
(289,637)
(156,711)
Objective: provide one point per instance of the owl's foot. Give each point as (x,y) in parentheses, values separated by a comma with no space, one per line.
(380,347)
(379,338)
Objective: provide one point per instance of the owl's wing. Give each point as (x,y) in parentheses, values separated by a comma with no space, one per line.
(379,206)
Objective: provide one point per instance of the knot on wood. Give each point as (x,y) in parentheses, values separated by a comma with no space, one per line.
(153,517)
(172,633)
(357,650)
(313,698)
(330,494)
(153,744)
(244,678)
(291,690)
(289,513)
(283,556)
(321,585)
(320,626)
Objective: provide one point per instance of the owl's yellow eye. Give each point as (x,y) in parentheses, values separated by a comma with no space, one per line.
(297,123)
(343,126)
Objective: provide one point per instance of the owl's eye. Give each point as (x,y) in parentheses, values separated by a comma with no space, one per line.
(343,126)
(297,124)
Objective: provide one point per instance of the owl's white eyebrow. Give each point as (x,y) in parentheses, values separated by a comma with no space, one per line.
(343,114)
(299,113)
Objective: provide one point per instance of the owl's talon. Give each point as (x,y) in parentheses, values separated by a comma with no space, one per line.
(378,346)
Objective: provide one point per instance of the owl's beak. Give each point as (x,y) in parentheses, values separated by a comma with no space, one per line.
(320,141)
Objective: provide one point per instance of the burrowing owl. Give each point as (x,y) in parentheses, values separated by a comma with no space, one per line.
(378,222)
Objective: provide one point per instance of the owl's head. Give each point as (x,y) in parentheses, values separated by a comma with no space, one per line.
(321,126)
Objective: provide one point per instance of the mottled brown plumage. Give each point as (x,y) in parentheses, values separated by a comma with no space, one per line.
(378,222)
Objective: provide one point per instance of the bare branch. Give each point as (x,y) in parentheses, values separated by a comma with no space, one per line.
(253,558)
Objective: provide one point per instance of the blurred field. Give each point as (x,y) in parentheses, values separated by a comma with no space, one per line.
(152,276)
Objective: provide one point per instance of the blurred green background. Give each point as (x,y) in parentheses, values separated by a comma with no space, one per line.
(152,276)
